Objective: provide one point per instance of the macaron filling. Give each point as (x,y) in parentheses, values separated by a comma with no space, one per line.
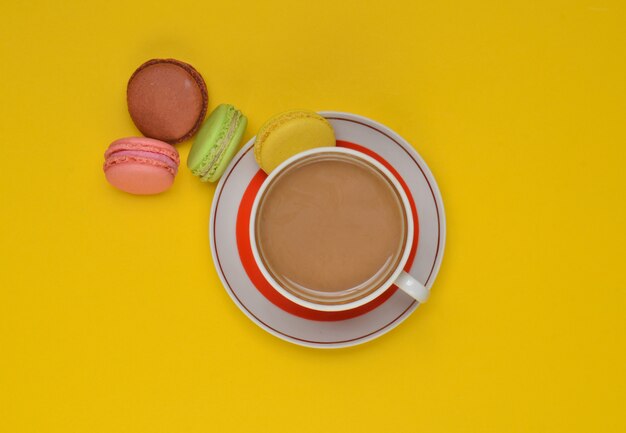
(210,162)
(142,156)
(163,149)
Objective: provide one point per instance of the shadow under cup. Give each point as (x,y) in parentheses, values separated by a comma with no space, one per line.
(330,228)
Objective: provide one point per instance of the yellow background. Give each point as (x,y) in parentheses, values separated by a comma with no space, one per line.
(112,317)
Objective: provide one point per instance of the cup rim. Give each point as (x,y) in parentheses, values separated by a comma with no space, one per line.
(401,263)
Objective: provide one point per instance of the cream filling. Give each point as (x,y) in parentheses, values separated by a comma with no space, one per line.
(221,146)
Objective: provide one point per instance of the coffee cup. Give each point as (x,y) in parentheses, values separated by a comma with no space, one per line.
(331,229)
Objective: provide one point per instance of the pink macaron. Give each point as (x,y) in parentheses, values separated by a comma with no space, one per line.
(140,165)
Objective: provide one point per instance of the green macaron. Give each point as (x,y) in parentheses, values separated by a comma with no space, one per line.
(216,143)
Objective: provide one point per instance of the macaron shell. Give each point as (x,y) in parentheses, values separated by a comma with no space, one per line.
(138,178)
(167,99)
(229,152)
(209,155)
(289,133)
(206,140)
(140,165)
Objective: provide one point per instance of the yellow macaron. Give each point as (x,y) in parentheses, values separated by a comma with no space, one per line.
(289,133)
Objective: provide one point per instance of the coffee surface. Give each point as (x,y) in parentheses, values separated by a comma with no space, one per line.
(331,230)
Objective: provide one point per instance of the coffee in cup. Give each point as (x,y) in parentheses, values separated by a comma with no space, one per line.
(332,229)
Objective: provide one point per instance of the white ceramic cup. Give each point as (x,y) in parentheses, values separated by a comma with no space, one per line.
(400,278)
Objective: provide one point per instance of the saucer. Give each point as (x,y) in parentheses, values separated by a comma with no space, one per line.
(243,281)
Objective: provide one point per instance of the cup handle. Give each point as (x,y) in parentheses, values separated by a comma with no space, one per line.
(412,287)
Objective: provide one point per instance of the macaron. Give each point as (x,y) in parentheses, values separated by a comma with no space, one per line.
(216,143)
(167,100)
(140,165)
(289,133)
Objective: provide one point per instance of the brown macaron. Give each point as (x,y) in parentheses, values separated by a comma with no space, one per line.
(167,100)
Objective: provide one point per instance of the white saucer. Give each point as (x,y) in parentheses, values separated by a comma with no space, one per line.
(236,188)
